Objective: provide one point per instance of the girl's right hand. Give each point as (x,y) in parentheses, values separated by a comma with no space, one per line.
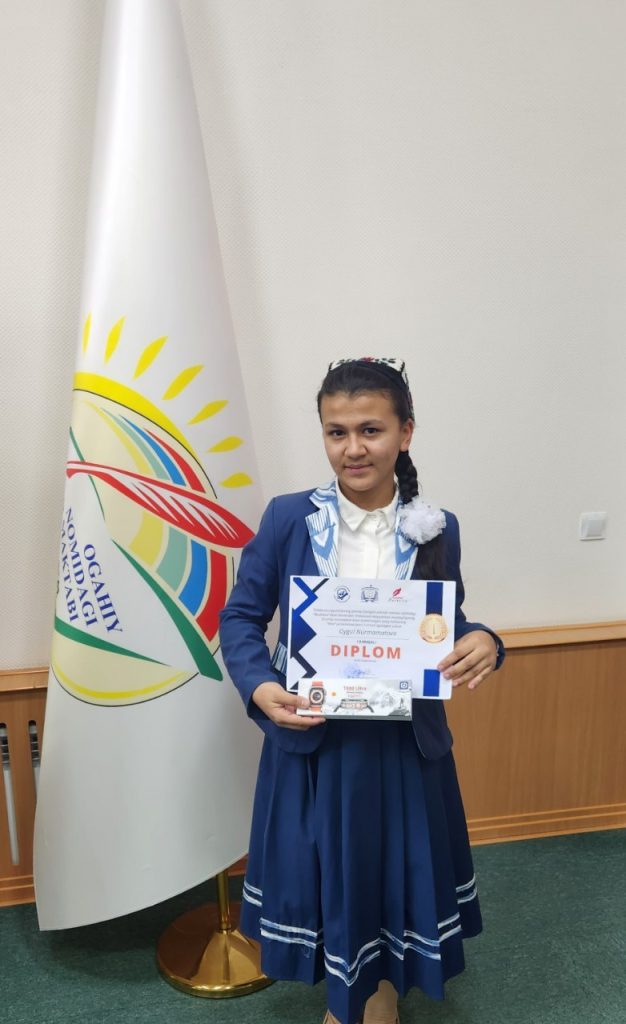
(280,706)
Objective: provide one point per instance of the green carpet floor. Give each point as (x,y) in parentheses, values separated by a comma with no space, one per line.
(553,952)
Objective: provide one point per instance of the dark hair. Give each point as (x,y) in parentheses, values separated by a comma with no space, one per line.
(356,376)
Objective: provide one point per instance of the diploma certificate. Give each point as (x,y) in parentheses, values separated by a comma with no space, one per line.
(361,648)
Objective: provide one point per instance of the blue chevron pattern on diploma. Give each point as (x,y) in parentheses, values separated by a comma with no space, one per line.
(301,632)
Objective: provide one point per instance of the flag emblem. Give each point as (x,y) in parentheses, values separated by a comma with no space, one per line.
(163,526)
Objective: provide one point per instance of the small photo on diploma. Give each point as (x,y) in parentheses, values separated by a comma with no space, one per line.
(361,648)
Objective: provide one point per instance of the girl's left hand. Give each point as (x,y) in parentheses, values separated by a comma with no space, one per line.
(472,659)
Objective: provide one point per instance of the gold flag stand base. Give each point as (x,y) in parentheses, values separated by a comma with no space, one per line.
(204,954)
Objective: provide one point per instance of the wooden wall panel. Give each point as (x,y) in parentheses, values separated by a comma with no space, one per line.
(541,746)
(22,700)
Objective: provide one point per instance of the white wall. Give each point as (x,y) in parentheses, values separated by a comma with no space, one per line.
(443,181)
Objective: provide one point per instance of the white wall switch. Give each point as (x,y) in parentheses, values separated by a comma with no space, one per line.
(592,525)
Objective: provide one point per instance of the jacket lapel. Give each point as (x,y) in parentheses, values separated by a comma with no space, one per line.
(406,552)
(323,527)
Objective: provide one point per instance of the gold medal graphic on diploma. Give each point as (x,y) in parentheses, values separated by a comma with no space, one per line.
(433,628)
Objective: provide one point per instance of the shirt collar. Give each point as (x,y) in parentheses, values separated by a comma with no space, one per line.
(354,516)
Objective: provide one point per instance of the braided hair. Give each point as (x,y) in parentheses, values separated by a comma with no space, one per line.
(354,376)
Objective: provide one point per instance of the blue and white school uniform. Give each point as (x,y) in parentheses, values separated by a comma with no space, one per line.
(359,866)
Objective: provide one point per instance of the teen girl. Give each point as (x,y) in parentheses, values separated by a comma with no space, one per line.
(359,866)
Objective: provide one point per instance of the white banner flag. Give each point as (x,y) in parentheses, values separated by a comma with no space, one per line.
(149,761)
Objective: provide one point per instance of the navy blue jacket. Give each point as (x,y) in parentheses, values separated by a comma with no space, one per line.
(298,536)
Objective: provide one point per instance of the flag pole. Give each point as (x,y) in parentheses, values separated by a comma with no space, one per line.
(204,954)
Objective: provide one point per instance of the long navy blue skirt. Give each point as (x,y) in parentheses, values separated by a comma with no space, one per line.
(359,866)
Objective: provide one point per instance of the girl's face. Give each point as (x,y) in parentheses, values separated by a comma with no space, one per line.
(363,437)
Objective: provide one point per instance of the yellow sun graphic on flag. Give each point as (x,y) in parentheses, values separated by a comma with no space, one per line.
(162,514)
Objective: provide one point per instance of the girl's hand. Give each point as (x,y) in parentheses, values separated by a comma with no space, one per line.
(472,659)
(280,706)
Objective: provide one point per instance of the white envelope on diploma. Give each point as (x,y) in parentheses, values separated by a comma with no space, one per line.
(364,648)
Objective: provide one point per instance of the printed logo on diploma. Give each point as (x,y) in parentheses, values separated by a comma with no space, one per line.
(369,658)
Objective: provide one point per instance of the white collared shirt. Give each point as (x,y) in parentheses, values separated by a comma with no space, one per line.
(367,540)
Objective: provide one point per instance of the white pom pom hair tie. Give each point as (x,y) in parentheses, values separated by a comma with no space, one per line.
(420,522)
